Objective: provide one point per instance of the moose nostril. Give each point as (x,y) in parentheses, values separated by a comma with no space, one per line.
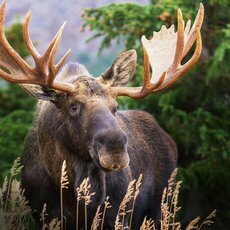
(115,166)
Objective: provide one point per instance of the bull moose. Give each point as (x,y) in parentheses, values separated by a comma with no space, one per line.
(77,120)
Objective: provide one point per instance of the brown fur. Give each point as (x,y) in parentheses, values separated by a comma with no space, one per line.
(110,147)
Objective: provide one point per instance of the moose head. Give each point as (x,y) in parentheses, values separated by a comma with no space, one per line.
(89,104)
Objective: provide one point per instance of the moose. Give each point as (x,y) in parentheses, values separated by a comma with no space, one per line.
(77,120)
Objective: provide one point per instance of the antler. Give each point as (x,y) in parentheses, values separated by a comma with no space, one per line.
(15,69)
(164,53)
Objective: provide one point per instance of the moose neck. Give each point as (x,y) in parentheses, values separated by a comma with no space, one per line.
(97,179)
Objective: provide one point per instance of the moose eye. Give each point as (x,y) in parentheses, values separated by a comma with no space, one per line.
(75,108)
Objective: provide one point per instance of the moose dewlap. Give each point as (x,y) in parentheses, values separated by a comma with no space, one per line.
(78,121)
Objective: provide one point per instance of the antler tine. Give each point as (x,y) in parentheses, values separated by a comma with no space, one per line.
(192,33)
(52,43)
(2,16)
(146,80)
(180,41)
(41,61)
(27,39)
(53,69)
(63,59)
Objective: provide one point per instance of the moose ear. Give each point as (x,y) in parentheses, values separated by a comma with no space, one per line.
(121,71)
(40,92)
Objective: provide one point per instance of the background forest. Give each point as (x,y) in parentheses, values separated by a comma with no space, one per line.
(195,111)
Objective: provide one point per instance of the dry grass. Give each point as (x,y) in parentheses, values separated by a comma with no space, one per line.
(136,193)
(107,205)
(14,208)
(97,219)
(169,208)
(55,224)
(83,193)
(64,185)
(147,224)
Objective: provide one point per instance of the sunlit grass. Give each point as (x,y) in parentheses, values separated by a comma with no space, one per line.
(15,211)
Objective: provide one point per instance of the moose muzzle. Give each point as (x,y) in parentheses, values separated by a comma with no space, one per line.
(111,148)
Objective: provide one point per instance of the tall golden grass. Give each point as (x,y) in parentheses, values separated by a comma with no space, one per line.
(15,210)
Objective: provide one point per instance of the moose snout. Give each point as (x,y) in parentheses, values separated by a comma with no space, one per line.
(114,162)
(110,146)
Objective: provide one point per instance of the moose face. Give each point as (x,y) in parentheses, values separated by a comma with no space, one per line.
(90,111)
(93,111)
(96,108)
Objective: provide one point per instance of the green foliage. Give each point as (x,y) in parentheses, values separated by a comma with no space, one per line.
(195,111)
(13,129)
(221,55)
(15,36)
(12,98)
(130,21)
(16,110)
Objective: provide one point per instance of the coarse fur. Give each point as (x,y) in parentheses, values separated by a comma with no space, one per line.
(110,147)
